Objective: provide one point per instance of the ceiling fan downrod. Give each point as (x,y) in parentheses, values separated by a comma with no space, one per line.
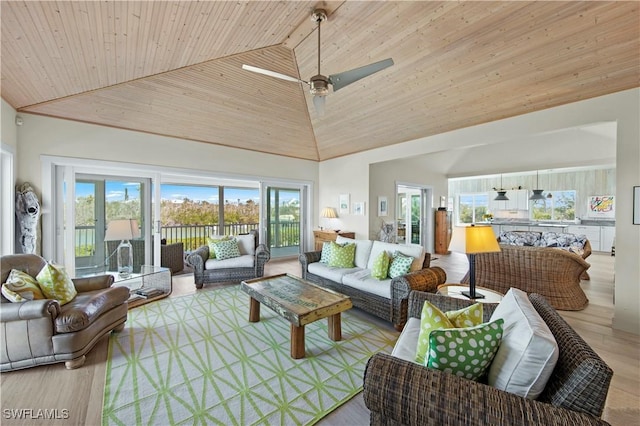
(319,83)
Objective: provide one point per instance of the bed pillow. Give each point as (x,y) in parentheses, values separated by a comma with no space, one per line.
(465,352)
(56,284)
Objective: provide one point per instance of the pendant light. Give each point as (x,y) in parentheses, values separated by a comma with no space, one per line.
(537,193)
(501,193)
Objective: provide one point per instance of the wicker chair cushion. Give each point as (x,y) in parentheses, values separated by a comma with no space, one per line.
(407,343)
(528,353)
(245,261)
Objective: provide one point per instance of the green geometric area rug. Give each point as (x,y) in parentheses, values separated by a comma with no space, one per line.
(197,359)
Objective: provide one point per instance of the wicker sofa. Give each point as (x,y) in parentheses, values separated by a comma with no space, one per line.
(578,244)
(555,274)
(389,304)
(249,265)
(400,392)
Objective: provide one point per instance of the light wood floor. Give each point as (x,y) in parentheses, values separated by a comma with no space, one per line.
(80,391)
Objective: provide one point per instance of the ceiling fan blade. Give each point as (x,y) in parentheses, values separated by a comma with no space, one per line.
(340,80)
(318,102)
(272,73)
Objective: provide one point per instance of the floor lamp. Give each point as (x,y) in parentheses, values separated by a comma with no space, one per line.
(123,230)
(472,240)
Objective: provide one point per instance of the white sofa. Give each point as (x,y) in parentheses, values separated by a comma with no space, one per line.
(384,298)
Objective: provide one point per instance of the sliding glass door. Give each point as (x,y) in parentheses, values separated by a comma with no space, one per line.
(284,219)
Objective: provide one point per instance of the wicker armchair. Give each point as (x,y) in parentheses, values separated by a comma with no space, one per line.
(400,392)
(553,273)
(207,270)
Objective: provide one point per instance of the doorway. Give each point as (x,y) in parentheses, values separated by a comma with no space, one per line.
(414,223)
(284,219)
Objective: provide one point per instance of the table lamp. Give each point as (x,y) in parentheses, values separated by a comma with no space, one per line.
(124,230)
(329,213)
(472,240)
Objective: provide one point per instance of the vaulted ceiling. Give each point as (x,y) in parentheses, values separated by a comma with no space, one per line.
(174,68)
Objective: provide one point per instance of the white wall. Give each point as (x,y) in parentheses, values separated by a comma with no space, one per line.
(350,174)
(8,128)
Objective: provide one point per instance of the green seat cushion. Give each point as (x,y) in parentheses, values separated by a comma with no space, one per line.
(465,352)
(380,268)
(342,256)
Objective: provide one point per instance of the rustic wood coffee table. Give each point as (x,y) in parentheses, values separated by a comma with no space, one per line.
(298,301)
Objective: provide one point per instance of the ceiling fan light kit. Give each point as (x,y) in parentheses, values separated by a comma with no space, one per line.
(319,84)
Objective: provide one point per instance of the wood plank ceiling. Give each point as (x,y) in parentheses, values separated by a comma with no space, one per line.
(174,68)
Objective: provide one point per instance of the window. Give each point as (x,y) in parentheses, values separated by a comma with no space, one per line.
(557,205)
(472,207)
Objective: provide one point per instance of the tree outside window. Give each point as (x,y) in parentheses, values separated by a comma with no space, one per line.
(560,206)
(472,207)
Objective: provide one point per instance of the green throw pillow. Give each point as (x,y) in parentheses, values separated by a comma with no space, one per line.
(23,284)
(56,284)
(211,241)
(400,265)
(226,249)
(380,268)
(433,318)
(11,296)
(342,256)
(465,352)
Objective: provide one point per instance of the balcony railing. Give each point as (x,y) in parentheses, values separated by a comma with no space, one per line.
(282,234)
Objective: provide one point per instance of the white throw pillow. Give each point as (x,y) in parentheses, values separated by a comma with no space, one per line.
(528,352)
(246,244)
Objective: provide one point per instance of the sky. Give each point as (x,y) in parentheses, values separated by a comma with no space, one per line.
(115,191)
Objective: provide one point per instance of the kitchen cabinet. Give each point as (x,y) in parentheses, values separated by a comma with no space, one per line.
(592,233)
(607,237)
(322,237)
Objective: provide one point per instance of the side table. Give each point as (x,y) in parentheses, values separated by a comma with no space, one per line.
(455,290)
(150,276)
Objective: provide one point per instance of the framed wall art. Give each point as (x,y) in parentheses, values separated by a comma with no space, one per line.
(343,204)
(358,208)
(383,206)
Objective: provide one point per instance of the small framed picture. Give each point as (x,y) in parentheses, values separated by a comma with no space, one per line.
(382,206)
(343,203)
(358,208)
(636,205)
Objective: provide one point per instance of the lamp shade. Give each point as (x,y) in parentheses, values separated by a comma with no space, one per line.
(122,229)
(473,239)
(329,212)
(537,195)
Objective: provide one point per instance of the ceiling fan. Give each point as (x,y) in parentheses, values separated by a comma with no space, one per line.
(319,83)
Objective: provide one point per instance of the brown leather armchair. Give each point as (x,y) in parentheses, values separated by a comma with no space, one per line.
(43,332)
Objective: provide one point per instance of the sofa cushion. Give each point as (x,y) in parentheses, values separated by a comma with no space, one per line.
(333,274)
(246,244)
(432,318)
(342,256)
(363,250)
(465,352)
(407,343)
(362,280)
(56,284)
(413,250)
(380,269)
(226,249)
(24,284)
(400,265)
(245,261)
(87,306)
(528,353)
(213,239)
